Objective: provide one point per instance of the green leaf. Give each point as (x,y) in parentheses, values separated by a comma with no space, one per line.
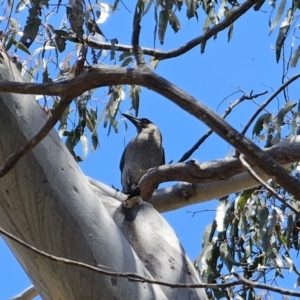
(218,294)
(95,142)
(46,75)
(208,234)
(139,11)
(21,5)
(289,262)
(11,41)
(154,62)
(32,26)
(149,3)
(162,25)
(174,21)
(60,32)
(297,283)
(84,145)
(243,226)
(93,27)
(115,5)
(295,58)
(60,43)
(283,111)
(126,62)
(91,120)
(113,42)
(63,121)
(296,4)
(289,230)
(124,55)
(283,30)
(278,15)
(206,24)
(258,127)
(192,5)
(262,217)
(227,257)
(116,96)
(230,33)
(134,94)
(202,47)
(221,215)
(76,17)
(251,294)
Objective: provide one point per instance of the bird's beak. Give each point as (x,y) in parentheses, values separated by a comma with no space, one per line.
(134,120)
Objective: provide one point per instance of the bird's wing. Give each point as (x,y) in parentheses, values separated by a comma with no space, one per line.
(122,160)
(163,160)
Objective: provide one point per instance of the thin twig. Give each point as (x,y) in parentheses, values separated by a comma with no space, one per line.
(243,280)
(137,278)
(16,156)
(188,154)
(161,55)
(199,211)
(269,188)
(264,105)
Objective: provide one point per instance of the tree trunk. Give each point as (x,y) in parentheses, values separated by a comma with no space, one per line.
(47,202)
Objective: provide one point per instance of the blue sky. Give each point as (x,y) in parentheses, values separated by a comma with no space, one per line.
(247,61)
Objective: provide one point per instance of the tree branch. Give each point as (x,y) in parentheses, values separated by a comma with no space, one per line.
(213,171)
(161,55)
(243,280)
(221,178)
(138,278)
(267,187)
(27,294)
(266,103)
(136,49)
(188,154)
(101,76)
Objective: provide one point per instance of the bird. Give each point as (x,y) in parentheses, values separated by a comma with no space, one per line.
(142,153)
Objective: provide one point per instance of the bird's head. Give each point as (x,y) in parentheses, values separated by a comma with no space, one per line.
(140,123)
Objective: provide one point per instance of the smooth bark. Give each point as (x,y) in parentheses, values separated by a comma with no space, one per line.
(47,201)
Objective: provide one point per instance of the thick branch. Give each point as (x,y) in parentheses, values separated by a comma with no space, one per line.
(284,153)
(103,76)
(223,177)
(27,294)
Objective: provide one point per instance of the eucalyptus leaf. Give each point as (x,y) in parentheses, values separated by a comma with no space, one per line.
(162,25)
(258,127)
(283,111)
(295,57)
(84,145)
(283,30)
(221,215)
(230,33)
(174,21)
(278,15)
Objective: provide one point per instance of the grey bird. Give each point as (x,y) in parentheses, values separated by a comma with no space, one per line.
(142,153)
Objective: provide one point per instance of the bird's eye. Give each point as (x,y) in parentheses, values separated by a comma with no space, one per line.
(145,121)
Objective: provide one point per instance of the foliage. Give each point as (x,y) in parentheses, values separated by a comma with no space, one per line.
(251,234)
